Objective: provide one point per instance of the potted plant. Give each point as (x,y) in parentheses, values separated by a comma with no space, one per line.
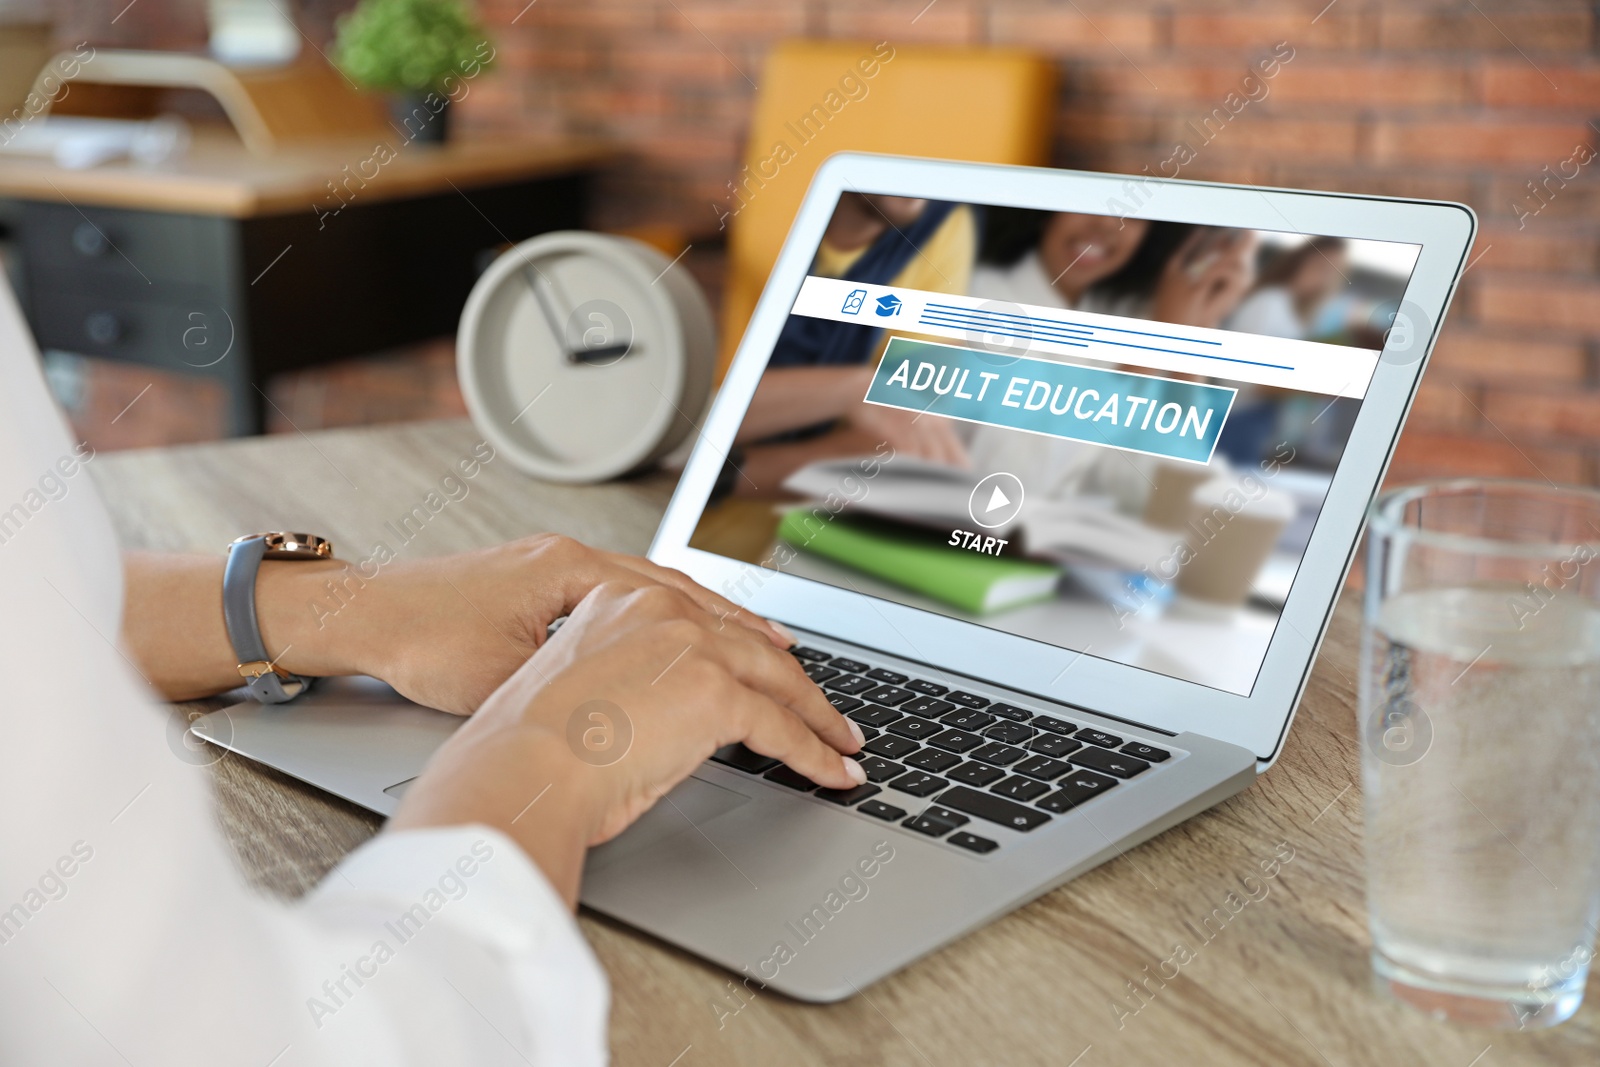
(421,52)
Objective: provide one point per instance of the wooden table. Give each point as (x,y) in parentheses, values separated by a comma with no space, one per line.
(237,266)
(1286,981)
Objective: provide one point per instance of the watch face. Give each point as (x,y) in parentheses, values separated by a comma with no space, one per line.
(282,545)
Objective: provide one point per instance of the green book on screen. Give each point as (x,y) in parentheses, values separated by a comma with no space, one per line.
(970,581)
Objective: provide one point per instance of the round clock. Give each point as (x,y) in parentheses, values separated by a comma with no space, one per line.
(583,356)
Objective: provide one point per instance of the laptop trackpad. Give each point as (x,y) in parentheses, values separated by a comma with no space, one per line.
(691,804)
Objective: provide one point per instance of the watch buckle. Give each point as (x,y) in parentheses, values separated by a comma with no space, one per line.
(256,668)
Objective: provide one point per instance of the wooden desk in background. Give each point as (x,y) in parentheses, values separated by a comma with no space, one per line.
(315,253)
(1284,981)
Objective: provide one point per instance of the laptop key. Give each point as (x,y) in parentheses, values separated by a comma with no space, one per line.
(943,814)
(967,700)
(791,778)
(820,672)
(999,755)
(868,733)
(812,654)
(1042,767)
(1095,737)
(956,741)
(1020,788)
(1009,732)
(872,715)
(918,784)
(1055,726)
(1054,745)
(852,665)
(1116,763)
(1075,788)
(1010,711)
(1146,752)
(968,719)
(926,688)
(994,809)
(742,759)
(879,810)
(879,769)
(971,842)
(850,684)
(914,728)
(891,747)
(978,774)
(881,675)
(890,695)
(927,707)
(847,797)
(932,760)
(843,704)
(927,824)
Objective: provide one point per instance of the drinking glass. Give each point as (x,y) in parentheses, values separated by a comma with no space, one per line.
(1480,721)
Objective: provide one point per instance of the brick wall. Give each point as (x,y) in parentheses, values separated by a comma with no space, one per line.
(1483,101)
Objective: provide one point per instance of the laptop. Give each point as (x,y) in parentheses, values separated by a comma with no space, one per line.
(1061,530)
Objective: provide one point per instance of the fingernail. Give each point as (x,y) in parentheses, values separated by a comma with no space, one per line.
(784,632)
(855,732)
(853,769)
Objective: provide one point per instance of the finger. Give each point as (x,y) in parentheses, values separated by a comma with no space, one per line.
(780,678)
(772,730)
(720,606)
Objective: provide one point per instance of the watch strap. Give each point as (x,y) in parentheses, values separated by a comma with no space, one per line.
(267,683)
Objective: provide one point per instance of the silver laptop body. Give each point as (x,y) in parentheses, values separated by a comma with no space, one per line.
(817,895)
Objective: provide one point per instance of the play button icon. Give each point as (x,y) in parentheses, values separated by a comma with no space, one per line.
(996,500)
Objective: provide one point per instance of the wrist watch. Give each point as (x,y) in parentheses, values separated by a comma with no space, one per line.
(266,681)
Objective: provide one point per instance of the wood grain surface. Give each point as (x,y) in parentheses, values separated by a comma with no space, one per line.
(219,176)
(1286,980)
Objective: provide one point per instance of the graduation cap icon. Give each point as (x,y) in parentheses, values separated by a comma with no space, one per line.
(888,305)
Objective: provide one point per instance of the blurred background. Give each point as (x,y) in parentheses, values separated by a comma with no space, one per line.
(1490,102)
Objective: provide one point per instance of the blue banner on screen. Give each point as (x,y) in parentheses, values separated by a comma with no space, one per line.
(1135,412)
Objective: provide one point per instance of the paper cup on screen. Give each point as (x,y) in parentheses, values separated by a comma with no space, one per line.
(1167,506)
(1231,531)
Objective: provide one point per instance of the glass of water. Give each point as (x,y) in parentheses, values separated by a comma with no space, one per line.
(1480,720)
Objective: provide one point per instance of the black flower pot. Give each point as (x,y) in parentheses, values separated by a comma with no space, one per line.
(421,117)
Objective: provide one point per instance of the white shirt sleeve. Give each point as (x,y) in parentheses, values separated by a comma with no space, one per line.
(126,932)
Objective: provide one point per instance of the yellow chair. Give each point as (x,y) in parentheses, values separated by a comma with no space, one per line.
(989,105)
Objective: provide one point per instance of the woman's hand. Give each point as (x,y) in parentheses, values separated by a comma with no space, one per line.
(910,433)
(444,631)
(1206,278)
(447,631)
(670,681)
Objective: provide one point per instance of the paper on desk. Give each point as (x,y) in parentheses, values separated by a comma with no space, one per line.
(78,143)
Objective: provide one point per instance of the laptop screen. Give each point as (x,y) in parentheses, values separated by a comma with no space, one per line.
(1109,434)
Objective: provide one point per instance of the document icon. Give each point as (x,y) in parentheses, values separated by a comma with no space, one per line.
(888,305)
(852,303)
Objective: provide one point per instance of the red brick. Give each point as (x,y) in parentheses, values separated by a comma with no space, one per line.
(1444,404)
(1514,83)
(1546,303)
(730,19)
(1255,133)
(1379,85)
(1074,31)
(1545,416)
(1526,144)
(1504,246)
(1427,454)
(1083,127)
(941,22)
(1486,357)
(1261,28)
(1489,29)
(1539,202)
(1406,182)
(1164,82)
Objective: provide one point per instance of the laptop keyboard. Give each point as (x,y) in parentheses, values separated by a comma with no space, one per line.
(977,762)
